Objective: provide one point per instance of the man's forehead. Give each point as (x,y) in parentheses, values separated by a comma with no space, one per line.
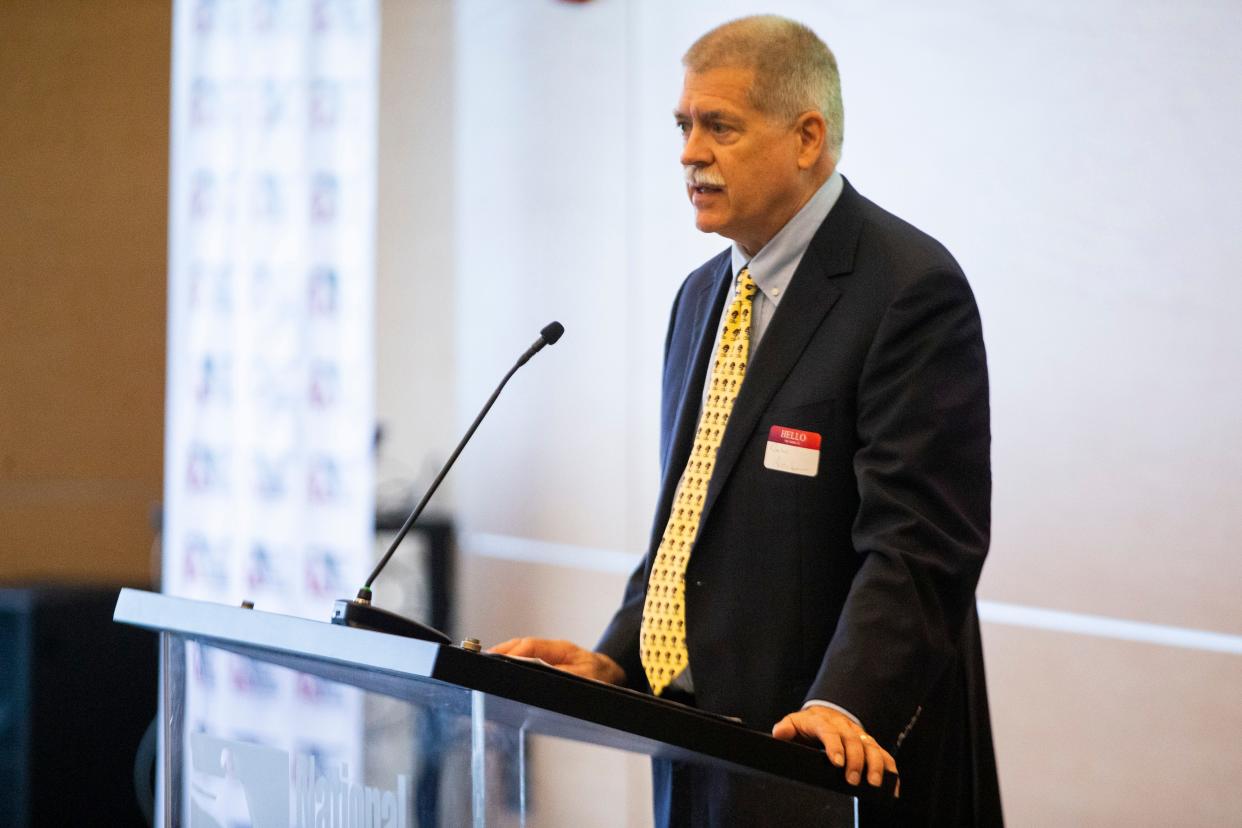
(718,90)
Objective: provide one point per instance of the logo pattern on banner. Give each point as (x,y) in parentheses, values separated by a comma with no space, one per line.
(269,476)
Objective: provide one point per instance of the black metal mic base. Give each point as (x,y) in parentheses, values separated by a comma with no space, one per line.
(347,613)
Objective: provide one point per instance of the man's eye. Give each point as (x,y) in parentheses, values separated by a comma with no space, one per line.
(719,129)
(683,128)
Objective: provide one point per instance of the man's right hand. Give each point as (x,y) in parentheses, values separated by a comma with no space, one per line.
(564,655)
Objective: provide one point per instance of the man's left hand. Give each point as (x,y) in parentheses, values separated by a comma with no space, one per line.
(847,744)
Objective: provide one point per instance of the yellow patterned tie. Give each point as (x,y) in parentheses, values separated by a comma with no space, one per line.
(662,639)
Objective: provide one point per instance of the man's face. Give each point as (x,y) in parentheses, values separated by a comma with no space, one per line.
(742,166)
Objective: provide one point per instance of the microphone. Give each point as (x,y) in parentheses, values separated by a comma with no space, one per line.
(360,612)
(550,335)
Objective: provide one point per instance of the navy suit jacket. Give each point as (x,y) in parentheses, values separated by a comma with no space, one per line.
(857,585)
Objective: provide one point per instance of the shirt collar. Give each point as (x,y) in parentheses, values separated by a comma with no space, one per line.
(773,266)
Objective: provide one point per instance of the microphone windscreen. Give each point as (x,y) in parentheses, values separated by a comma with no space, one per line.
(552,332)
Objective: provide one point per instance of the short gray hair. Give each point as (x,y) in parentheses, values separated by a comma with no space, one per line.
(795,71)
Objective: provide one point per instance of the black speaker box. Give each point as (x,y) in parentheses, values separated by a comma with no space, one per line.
(77,692)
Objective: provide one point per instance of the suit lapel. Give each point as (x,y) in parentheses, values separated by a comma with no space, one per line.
(707,307)
(706,320)
(810,297)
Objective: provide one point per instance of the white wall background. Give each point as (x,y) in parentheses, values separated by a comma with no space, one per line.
(1079,160)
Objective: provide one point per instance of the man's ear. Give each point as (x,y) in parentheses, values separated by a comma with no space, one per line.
(811,131)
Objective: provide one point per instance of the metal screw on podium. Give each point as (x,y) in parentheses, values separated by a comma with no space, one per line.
(247,605)
(471,644)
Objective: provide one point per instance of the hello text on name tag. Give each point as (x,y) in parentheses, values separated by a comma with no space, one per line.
(792,450)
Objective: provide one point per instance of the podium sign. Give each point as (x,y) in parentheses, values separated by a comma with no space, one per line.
(445,736)
(416,771)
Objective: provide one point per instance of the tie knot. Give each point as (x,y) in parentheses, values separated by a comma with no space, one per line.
(746,286)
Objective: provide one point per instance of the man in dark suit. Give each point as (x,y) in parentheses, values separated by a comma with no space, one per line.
(825,501)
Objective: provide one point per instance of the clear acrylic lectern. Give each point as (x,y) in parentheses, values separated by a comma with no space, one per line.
(440,738)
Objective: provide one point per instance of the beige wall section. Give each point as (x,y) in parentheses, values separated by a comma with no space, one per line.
(84,93)
(415,292)
(1100,732)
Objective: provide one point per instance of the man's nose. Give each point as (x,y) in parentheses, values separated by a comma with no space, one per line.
(694,152)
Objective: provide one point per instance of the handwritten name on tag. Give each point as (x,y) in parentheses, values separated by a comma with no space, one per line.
(792,450)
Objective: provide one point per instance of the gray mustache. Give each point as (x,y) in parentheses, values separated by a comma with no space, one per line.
(698,177)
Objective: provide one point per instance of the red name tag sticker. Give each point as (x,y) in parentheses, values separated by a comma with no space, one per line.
(792,450)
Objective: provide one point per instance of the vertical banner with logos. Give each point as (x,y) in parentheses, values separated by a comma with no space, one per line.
(269,474)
